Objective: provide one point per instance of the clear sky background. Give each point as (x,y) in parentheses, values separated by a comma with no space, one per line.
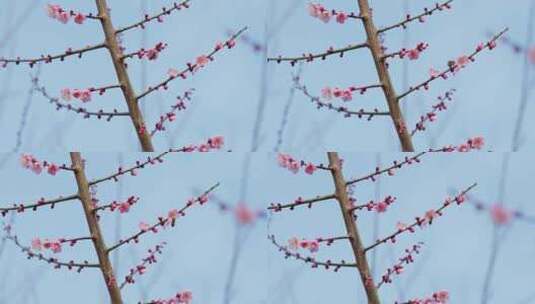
(228,91)
(454,257)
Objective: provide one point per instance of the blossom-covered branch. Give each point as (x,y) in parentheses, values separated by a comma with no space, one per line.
(192,67)
(428,218)
(168,220)
(454,66)
(340,109)
(311,260)
(70,265)
(79,110)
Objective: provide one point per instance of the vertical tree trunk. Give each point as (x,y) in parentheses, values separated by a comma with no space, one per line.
(122,75)
(384,77)
(94,228)
(351,228)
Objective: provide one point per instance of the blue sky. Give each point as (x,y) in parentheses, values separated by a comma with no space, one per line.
(454,257)
(227,91)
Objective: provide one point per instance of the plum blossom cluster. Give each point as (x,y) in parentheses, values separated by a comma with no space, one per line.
(318,11)
(214,143)
(329,93)
(184,297)
(84,95)
(52,245)
(412,54)
(310,245)
(121,207)
(30,162)
(439,297)
(380,206)
(292,164)
(150,54)
(475,143)
(57,12)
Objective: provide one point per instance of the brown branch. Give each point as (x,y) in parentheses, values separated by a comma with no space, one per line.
(409,19)
(41,203)
(93,225)
(351,228)
(310,57)
(300,202)
(384,77)
(329,241)
(73,241)
(122,75)
(147,19)
(50,58)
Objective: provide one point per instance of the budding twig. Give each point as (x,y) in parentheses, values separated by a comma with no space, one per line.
(310,57)
(409,19)
(51,58)
(147,19)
